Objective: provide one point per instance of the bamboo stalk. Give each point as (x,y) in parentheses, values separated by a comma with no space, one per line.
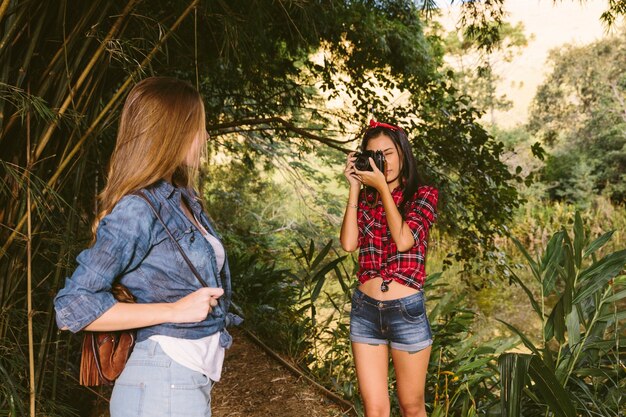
(83,76)
(29,278)
(113,103)
(3,8)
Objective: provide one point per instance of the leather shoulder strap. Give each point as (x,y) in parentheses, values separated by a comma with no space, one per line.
(174,241)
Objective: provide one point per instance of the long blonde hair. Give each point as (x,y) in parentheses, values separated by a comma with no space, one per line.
(159,122)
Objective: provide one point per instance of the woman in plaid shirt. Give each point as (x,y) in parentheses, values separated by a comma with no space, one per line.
(388,221)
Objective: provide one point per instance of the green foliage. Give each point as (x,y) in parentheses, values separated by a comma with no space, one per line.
(578,113)
(576,369)
(476,71)
(462,373)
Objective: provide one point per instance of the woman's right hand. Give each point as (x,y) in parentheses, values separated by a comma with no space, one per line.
(350,171)
(196,306)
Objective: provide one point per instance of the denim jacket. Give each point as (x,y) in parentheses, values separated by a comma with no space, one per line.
(132,246)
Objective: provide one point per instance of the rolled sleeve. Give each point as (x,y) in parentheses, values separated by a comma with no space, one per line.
(123,239)
(422,213)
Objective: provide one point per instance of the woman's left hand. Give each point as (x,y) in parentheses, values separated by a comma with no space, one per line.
(374,178)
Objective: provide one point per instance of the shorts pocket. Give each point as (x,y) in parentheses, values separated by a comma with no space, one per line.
(414,311)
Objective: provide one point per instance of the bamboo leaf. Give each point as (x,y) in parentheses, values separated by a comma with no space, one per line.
(320,277)
(598,243)
(598,275)
(344,286)
(536,270)
(322,254)
(309,255)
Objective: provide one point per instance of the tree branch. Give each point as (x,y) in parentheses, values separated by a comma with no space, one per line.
(333,143)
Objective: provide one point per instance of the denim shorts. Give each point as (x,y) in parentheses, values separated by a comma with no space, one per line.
(153,385)
(402,323)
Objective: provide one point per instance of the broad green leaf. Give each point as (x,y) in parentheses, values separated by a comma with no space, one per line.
(342,282)
(550,275)
(615,297)
(557,320)
(569,270)
(534,267)
(513,375)
(611,262)
(598,275)
(529,294)
(573,327)
(548,388)
(596,372)
(613,317)
(309,255)
(478,363)
(320,277)
(554,249)
(522,336)
(579,239)
(320,256)
(598,243)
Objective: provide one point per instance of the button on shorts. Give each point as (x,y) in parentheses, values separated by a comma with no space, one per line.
(401,323)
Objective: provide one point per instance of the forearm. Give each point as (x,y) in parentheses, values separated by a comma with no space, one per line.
(400,231)
(124,316)
(349,236)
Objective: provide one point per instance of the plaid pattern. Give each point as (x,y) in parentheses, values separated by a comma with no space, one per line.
(378,253)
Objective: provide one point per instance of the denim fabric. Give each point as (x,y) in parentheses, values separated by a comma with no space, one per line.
(153,385)
(133,246)
(402,323)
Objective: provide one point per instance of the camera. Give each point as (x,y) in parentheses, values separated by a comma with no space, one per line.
(362,162)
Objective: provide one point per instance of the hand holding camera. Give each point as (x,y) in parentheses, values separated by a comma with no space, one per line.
(359,169)
(362,161)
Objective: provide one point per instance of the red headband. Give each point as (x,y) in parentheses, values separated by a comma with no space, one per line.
(374,124)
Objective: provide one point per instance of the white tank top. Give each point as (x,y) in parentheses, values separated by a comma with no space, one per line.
(203,355)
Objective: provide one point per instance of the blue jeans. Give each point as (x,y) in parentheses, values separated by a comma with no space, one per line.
(402,323)
(153,385)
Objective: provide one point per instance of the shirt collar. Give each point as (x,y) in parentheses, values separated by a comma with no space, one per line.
(164,188)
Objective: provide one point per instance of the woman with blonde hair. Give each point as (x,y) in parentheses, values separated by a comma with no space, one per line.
(150,219)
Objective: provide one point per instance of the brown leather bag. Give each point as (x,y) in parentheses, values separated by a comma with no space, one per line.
(104,354)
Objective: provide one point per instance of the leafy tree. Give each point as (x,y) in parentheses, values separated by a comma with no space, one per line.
(579,113)
(477,70)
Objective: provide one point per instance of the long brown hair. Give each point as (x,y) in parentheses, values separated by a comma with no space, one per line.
(159,122)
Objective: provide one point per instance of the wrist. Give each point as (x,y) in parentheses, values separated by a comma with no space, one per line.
(170,313)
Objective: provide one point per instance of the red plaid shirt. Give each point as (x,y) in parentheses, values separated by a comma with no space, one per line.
(378,253)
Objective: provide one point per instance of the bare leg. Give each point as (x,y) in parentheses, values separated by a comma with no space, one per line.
(372,363)
(411,379)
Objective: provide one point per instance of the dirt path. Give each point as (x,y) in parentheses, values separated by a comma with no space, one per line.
(254,384)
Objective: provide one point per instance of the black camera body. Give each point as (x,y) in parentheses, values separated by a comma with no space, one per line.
(362,162)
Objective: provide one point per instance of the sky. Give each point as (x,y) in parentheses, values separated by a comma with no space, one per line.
(548,25)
